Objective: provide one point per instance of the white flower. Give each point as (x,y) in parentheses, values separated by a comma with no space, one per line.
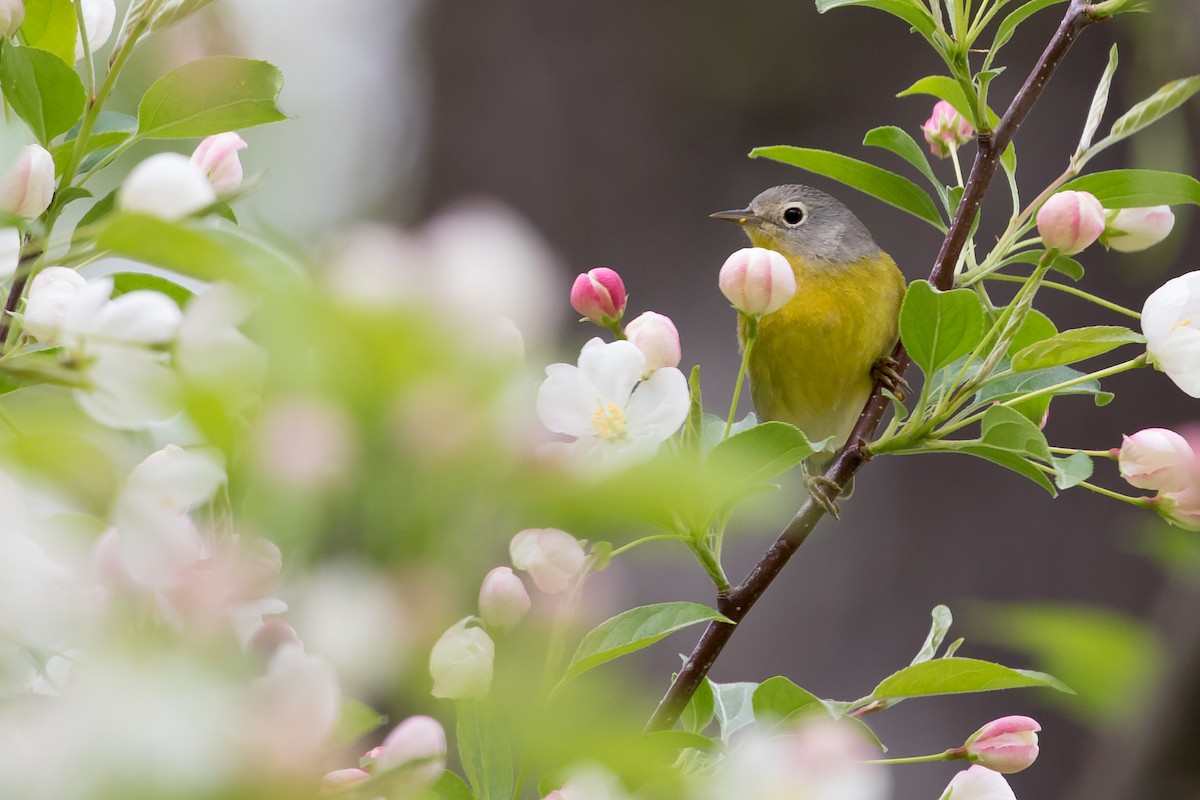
(979,783)
(1171,322)
(614,418)
(50,295)
(461,662)
(1132,229)
(553,558)
(166,185)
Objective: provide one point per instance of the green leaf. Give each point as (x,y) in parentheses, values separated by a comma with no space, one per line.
(887,186)
(99,210)
(125,282)
(484,750)
(1072,470)
(1008,27)
(110,130)
(171,12)
(712,429)
(633,630)
(42,89)
(938,327)
(1006,428)
(209,96)
(779,700)
(1003,457)
(1099,103)
(942,619)
(698,713)
(912,13)
(1012,384)
(355,720)
(897,140)
(1074,345)
(51,25)
(945,88)
(1152,109)
(763,451)
(1061,264)
(1036,327)
(1138,188)
(733,706)
(451,787)
(944,676)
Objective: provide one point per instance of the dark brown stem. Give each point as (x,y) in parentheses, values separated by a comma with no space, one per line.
(20,278)
(854,454)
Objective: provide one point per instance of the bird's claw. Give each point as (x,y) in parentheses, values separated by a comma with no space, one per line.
(824,493)
(887,371)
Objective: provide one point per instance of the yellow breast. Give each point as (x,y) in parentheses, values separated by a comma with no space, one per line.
(811,363)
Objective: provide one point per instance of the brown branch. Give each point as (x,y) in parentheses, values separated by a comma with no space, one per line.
(736,604)
(20,278)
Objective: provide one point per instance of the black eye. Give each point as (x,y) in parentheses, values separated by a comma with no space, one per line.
(793,215)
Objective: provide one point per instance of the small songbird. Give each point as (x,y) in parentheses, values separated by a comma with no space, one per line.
(815,360)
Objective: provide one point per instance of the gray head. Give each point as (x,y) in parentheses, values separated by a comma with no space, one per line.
(801,221)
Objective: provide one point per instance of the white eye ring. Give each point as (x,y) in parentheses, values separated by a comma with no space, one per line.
(794,215)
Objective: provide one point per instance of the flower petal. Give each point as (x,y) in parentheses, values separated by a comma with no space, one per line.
(613,368)
(658,406)
(566,401)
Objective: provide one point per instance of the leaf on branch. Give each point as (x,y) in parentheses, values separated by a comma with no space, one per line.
(779,700)
(911,12)
(1013,384)
(1074,345)
(633,630)
(1009,25)
(125,282)
(209,96)
(733,706)
(483,748)
(451,787)
(881,184)
(938,327)
(944,676)
(1007,429)
(945,88)
(1072,470)
(763,451)
(1036,327)
(44,91)
(51,25)
(1152,109)
(898,141)
(1138,188)
(942,619)
(1064,265)
(1099,103)
(1005,458)
(699,710)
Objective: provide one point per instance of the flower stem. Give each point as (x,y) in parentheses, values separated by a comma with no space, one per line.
(1062,287)
(658,537)
(953,754)
(1067,451)
(1140,502)
(751,335)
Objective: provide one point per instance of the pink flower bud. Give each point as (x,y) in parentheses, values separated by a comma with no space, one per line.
(1132,229)
(28,186)
(167,186)
(979,783)
(503,600)
(461,662)
(1070,221)
(419,744)
(553,558)
(341,779)
(656,336)
(946,129)
(1006,745)
(599,295)
(1181,509)
(1158,459)
(757,281)
(12,14)
(217,157)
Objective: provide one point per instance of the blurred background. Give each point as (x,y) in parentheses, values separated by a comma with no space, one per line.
(614,128)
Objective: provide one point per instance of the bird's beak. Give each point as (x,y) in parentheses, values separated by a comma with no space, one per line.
(741,217)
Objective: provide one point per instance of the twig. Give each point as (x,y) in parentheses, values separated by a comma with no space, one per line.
(737,603)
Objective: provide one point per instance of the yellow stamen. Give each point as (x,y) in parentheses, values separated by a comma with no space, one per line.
(609,421)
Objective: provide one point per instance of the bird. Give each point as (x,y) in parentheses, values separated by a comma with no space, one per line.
(815,361)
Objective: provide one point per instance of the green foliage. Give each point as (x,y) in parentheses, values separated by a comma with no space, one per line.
(210,96)
(633,630)
(1074,345)
(762,452)
(1008,26)
(911,12)
(452,787)
(1072,470)
(898,141)
(944,676)
(945,88)
(942,619)
(1138,188)
(44,91)
(700,709)
(1099,103)
(879,183)
(124,282)
(778,699)
(483,748)
(733,706)
(355,720)
(939,327)
(51,25)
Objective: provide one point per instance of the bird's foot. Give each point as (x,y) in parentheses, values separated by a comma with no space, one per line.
(887,371)
(824,493)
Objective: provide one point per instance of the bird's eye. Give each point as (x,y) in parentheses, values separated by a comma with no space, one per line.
(793,215)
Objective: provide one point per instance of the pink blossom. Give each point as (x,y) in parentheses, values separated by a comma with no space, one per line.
(217,158)
(599,295)
(503,599)
(1006,745)
(1158,459)
(946,129)
(658,339)
(757,281)
(1070,221)
(553,558)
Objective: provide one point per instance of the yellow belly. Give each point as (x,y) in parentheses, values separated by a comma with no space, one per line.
(811,364)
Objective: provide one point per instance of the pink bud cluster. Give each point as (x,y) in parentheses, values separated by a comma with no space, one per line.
(946,130)
(599,296)
(1163,461)
(413,755)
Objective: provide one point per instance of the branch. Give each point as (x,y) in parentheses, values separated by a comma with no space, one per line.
(736,604)
(20,278)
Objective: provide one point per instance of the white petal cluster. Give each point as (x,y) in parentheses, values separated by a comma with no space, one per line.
(1171,323)
(614,416)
